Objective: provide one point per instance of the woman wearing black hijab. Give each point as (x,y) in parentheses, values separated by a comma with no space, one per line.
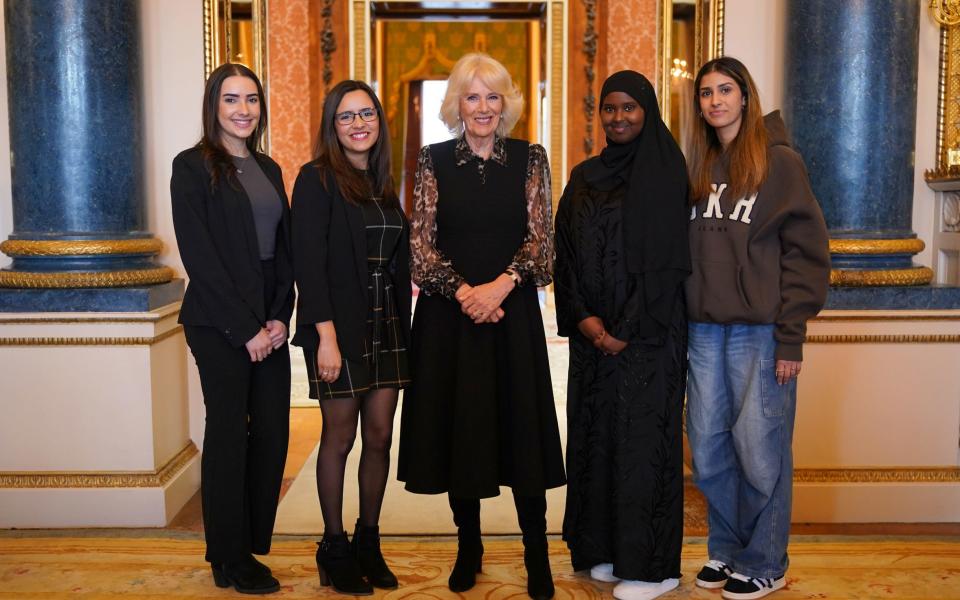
(622,256)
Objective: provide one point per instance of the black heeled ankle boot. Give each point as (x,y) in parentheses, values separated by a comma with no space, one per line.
(247,576)
(366,549)
(531,513)
(337,566)
(466,515)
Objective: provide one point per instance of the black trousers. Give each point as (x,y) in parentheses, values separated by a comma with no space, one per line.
(245,443)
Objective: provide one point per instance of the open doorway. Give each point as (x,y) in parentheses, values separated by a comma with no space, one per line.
(417,43)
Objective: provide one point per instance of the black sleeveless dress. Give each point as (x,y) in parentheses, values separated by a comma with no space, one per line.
(480,413)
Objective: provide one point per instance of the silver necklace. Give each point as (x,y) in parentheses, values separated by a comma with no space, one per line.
(243,163)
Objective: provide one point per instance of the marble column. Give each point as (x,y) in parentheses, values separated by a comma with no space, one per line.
(851,105)
(76,136)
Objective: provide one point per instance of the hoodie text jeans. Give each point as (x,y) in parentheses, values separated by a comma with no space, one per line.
(740,428)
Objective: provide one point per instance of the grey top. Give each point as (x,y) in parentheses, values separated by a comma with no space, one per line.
(267,210)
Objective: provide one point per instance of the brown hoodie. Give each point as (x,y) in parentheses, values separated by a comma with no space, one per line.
(761,259)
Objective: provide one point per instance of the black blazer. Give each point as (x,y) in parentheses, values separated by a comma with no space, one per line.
(330,265)
(218,245)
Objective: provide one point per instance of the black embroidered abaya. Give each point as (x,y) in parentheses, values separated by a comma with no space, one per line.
(624,445)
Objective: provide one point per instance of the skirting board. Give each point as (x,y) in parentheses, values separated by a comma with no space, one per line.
(100,507)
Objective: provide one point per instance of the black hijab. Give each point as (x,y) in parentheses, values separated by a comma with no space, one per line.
(655,210)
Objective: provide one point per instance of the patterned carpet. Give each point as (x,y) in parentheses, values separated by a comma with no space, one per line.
(171,567)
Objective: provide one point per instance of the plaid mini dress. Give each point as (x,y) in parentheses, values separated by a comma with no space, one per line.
(384,361)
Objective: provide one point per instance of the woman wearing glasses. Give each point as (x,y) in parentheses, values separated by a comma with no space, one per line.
(350,247)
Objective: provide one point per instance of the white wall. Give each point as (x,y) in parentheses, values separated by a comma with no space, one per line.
(754,33)
(6,194)
(924,199)
(173,94)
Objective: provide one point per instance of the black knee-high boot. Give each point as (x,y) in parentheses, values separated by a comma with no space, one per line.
(532,515)
(466,515)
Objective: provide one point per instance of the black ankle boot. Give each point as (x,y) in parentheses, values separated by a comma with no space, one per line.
(366,549)
(245,577)
(469,561)
(337,566)
(536,559)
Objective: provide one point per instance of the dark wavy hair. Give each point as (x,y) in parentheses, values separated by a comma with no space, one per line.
(329,155)
(748,151)
(216,158)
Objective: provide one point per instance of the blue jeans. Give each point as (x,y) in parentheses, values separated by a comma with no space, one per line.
(740,428)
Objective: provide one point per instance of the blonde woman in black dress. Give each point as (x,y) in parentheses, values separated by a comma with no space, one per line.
(351,250)
(480,414)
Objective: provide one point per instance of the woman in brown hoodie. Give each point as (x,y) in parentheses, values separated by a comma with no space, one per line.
(761,268)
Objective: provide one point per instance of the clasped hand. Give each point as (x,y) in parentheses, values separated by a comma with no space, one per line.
(270,337)
(482,303)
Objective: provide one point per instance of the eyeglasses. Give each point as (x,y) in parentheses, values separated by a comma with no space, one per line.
(348,116)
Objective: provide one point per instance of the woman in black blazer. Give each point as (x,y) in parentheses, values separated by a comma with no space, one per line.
(350,251)
(232,223)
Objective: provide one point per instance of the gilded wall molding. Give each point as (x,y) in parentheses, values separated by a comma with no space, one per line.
(948,108)
(887,317)
(879,475)
(18,248)
(100,479)
(557,56)
(105,279)
(328,44)
(896,246)
(590,51)
(211,39)
(90,341)
(881,277)
(940,338)
(360,11)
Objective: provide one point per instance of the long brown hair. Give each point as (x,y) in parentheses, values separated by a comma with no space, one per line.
(330,157)
(217,159)
(747,152)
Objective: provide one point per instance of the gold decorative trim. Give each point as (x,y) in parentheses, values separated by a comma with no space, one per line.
(590,40)
(881,277)
(558,54)
(17,248)
(360,11)
(897,246)
(107,279)
(879,475)
(211,37)
(948,108)
(884,339)
(100,479)
(889,317)
(718,25)
(90,341)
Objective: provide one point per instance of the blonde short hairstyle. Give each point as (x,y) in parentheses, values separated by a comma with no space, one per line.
(494,75)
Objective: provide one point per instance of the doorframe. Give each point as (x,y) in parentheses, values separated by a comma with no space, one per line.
(554,133)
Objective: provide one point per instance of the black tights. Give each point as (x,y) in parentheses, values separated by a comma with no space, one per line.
(375,410)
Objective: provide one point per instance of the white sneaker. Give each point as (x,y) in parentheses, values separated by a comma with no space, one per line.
(603,572)
(713,575)
(741,587)
(643,590)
